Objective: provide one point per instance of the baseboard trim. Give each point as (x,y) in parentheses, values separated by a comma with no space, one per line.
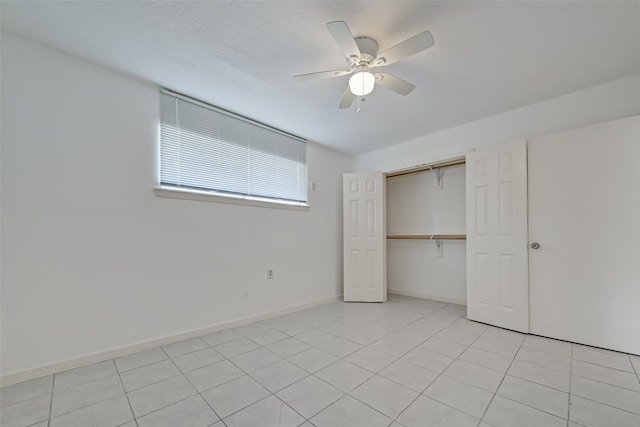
(65,365)
(425,296)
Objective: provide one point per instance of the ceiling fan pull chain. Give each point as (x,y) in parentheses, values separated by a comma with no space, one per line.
(359,96)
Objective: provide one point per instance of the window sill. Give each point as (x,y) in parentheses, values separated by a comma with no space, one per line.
(203,196)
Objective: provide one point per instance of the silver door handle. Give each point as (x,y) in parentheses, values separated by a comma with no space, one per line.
(535,245)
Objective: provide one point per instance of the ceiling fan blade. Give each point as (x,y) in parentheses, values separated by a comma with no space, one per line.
(347,98)
(343,37)
(409,47)
(322,75)
(394,84)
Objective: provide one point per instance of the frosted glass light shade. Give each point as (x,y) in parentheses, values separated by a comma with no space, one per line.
(362,83)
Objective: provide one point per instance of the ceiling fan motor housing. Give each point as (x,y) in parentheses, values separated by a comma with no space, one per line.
(368,52)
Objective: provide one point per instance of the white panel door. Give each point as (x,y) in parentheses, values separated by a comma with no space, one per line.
(497,265)
(584,211)
(365,276)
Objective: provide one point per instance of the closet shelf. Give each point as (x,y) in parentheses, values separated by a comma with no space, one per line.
(423,169)
(427,236)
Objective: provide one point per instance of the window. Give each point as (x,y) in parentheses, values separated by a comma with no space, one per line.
(203,148)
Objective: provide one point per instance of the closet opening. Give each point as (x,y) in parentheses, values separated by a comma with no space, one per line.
(426,231)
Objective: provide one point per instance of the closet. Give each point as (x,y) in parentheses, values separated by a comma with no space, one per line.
(426,250)
(539,237)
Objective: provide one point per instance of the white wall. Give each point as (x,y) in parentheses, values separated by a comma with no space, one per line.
(417,205)
(609,101)
(92,260)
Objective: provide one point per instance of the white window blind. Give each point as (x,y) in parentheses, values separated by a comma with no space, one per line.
(205,149)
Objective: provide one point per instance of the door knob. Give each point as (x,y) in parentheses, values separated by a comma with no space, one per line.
(535,245)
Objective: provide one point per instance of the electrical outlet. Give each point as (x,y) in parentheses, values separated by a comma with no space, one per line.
(270,273)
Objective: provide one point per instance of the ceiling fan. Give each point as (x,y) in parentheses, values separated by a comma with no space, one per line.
(362,56)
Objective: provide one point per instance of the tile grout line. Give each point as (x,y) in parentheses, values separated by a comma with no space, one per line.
(634,367)
(164,407)
(188,352)
(610,406)
(458,358)
(91,404)
(292,408)
(53,383)
(200,367)
(543,385)
(247,374)
(605,383)
(480,420)
(310,374)
(411,323)
(537,409)
(150,384)
(440,374)
(541,367)
(484,414)
(570,382)
(347,393)
(133,414)
(604,366)
(468,346)
(569,392)
(533,382)
(194,387)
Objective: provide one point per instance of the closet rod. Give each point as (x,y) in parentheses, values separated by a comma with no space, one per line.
(425,169)
(427,236)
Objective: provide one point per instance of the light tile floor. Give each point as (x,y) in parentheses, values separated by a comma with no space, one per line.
(408,362)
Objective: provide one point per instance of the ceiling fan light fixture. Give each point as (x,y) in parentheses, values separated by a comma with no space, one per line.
(362,83)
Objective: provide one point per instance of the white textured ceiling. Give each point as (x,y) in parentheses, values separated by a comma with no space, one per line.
(489,57)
